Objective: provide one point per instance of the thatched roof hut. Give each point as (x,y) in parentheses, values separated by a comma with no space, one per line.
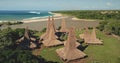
(51,39)
(73,38)
(45,35)
(27,40)
(69,51)
(94,39)
(63,26)
(90,38)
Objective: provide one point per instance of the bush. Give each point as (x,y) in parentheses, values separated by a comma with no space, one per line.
(6,37)
(17,56)
(102,25)
(113,27)
(93,14)
(11,23)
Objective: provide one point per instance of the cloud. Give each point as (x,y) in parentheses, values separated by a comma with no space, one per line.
(108,4)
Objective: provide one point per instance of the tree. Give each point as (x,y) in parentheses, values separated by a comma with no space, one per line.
(102,25)
(5,37)
(17,56)
(10,51)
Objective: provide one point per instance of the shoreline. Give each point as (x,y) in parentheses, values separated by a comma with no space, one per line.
(55,15)
(39,24)
(38,19)
(45,18)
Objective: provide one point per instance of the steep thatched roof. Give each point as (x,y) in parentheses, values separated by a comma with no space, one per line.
(87,35)
(45,35)
(51,39)
(93,39)
(90,38)
(63,26)
(53,23)
(73,38)
(26,35)
(77,44)
(69,51)
(50,22)
(26,40)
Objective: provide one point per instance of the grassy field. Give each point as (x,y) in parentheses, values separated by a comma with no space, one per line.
(50,55)
(107,53)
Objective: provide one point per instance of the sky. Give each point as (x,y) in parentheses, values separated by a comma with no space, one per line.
(59,4)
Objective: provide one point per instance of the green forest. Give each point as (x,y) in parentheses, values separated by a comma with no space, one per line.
(11,52)
(110,23)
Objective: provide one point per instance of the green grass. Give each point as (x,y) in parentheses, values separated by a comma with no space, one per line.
(107,53)
(50,55)
(39,33)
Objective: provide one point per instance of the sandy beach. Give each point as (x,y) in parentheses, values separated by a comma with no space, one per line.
(56,16)
(40,23)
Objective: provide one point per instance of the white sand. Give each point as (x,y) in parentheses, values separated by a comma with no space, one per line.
(56,16)
(38,19)
(76,19)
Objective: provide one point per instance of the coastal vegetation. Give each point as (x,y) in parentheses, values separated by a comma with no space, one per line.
(93,14)
(110,26)
(110,23)
(10,23)
(11,52)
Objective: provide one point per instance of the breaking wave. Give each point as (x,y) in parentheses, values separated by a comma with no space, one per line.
(34,12)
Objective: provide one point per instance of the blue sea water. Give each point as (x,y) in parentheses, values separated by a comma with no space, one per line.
(20,15)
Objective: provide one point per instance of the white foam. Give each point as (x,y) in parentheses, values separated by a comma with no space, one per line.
(34,12)
(3,21)
(35,18)
(50,12)
(41,19)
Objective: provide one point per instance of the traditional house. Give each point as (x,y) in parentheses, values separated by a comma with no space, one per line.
(90,38)
(45,35)
(27,41)
(51,39)
(69,51)
(63,26)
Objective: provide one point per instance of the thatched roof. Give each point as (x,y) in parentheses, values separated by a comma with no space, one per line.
(53,23)
(90,38)
(77,44)
(51,39)
(26,35)
(73,38)
(93,39)
(45,35)
(63,26)
(69,51)
(87,35)
(27,40)
(50,22)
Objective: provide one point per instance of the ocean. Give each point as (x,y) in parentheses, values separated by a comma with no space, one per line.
(20,15)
